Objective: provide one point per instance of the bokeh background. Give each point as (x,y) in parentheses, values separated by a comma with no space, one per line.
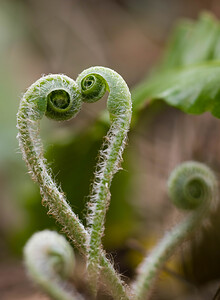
(129,36)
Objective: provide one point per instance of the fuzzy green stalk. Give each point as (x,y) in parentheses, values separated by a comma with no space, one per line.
(59,98)
(49,260)
(192,186)
(119,105)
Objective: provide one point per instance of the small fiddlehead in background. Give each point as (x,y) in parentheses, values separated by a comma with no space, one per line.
(60,98)
(50,260)
(192,187)
(93,83)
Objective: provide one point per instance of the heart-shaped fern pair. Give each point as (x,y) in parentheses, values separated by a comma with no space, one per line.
(192,186)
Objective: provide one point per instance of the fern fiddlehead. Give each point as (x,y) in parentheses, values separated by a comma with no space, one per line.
(59,97)
(50,260)
(93,83)
(33,107)
(193,187)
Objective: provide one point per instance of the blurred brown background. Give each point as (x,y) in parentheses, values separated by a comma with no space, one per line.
(41,37)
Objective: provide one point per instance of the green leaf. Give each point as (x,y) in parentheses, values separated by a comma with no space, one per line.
(188,76)
(193,89)
(191,43)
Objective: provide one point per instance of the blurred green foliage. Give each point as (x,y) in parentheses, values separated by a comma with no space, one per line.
(11,30)
(188,75)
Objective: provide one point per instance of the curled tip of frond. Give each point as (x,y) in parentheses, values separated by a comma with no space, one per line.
(93,88)
(48,254)
(57,96)
(191,185)
(94,81)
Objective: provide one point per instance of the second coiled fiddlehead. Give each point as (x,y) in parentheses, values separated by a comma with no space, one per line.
(93,83)
(60,98)
(193,187)
(50,260)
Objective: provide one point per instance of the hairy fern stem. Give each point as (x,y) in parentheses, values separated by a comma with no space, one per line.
(120,108)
